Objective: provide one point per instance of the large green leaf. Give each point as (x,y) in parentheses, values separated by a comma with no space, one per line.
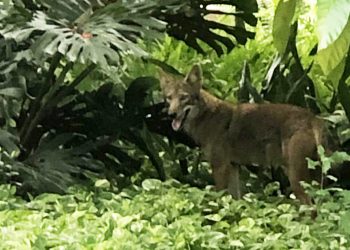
(8,141)
(136,94)
(14,87)
(88,30)
(333,31)
(97,31)
(53,167)
(330,57)
(332,17)
(282,24)
(4,7)
(191,23)
(11,92)
(343,88)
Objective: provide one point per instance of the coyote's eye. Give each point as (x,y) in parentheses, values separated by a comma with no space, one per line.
(168,98)
(184,97)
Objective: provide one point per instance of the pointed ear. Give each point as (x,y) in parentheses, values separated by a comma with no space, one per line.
(195,78)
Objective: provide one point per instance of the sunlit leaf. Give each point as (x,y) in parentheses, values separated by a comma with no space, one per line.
(282,24)
(151,184)
(332,17)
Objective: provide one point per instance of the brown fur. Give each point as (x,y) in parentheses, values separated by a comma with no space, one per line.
(244,134)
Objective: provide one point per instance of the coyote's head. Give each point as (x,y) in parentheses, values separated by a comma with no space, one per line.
(182,95)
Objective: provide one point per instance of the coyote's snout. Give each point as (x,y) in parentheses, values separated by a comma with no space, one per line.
(243,134)
(179,113)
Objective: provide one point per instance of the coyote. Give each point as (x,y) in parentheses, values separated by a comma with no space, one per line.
(243,134)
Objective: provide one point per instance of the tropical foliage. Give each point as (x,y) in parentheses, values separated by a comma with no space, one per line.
(60,102)
(81,115)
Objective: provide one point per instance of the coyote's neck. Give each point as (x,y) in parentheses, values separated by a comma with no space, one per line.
(209,112)
(208,103)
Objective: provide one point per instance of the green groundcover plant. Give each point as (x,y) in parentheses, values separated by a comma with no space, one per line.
(98,128)
(170,215)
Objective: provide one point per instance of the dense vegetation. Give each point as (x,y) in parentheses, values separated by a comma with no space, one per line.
(84,139)
(169,215)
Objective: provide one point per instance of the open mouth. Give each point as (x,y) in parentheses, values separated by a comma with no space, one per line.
(179,120)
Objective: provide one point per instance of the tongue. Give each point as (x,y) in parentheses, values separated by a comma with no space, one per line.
(176,124)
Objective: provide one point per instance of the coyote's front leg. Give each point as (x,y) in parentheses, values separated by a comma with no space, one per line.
(226,176)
